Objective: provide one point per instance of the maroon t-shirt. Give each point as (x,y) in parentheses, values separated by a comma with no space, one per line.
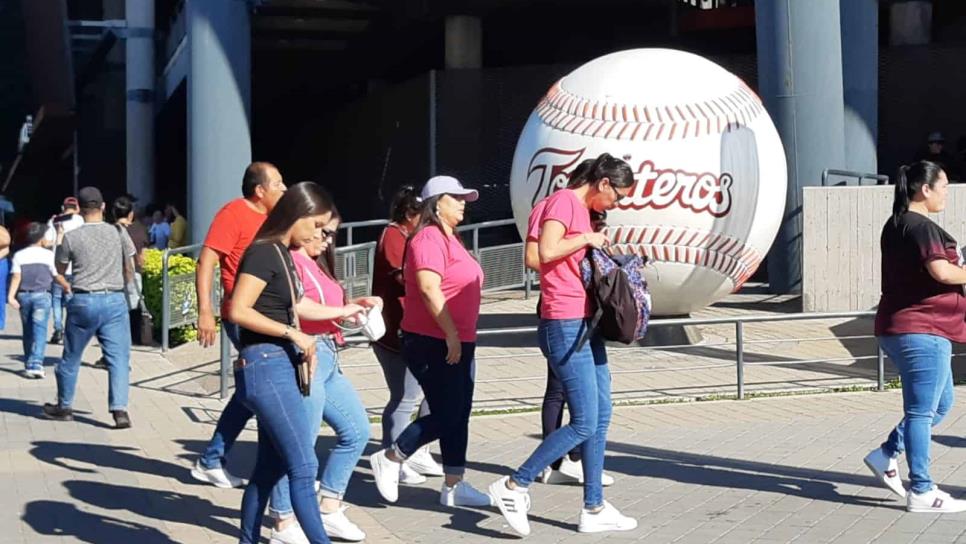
(386,281)
(912,301)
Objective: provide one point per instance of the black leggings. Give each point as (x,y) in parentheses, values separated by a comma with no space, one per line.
(551,412)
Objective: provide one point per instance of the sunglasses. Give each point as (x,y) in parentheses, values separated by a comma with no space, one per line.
(327,234)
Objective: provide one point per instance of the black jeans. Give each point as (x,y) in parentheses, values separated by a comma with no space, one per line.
(551,412)
(449,391)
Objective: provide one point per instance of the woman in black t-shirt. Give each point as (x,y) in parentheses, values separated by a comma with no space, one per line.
(265,374)
(921,312)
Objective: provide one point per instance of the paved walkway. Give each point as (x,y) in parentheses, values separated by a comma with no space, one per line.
(764,470)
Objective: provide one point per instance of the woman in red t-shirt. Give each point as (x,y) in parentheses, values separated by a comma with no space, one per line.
(442,305)
(921,312)
(387,282)
(565,234)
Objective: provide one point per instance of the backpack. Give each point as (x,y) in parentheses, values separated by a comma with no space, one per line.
(618,292)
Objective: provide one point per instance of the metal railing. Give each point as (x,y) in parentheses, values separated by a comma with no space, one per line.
(739,343)
(187,305)
(849,175)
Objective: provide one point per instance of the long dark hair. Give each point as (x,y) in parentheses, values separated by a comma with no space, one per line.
(605,166)
(429,218)
(304,199)
(326,260)
(909,181)
(404,203)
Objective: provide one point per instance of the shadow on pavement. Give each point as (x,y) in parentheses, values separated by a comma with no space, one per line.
(950,441)
(73,455)
(29,409)
(66,520)
(708,470)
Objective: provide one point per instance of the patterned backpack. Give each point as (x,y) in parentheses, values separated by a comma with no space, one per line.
(619,295)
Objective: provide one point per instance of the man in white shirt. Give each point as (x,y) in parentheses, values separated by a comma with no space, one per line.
(57,226)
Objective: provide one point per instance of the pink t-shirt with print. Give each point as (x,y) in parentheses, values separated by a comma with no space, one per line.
(561,287)
(462,284)
(331,295)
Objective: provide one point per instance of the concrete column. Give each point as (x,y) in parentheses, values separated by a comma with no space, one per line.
(800,81)
(464,42)
(219,102)
(139,75)
(860,81)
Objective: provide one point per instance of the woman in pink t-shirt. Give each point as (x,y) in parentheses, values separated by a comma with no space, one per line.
(440,310)
(332,398)
(565,234)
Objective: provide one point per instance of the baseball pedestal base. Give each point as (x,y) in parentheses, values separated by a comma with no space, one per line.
(674,335)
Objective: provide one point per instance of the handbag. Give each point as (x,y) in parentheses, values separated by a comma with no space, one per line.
(132,280)
(303,369)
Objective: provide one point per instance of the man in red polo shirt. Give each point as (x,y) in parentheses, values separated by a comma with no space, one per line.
(231,232)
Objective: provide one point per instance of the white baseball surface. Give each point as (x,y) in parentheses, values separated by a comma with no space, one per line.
(710,168)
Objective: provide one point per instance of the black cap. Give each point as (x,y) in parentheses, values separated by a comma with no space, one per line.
(90,197)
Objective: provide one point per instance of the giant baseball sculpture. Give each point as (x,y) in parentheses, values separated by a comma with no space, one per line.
(710,168)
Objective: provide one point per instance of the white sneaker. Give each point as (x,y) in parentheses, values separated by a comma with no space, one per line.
(409,476)
(608,519)
(463,494)
(422,462)
(934,501)
(218,476)
(574,471)
(35,373)
(886,470)
(386,473)
(513,504)
(290,535)
(337,525)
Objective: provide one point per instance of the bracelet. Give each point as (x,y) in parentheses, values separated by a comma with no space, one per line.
(287,334)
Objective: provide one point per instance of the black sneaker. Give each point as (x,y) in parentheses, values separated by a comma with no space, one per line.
(101,363)
(57,337)
(55,412)
(121,419)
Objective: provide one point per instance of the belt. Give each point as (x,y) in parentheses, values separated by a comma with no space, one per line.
(97,292)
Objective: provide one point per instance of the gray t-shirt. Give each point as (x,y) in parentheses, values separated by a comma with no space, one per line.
(94,250)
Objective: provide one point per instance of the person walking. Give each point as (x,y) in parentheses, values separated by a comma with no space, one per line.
(568,469)
(123,211)
(442,306)
(59,225)
(31,275)
(332,399)
(231,232)
(921,312)
(388,284)
(266,300)
(565,234)
(160,231)
(101,255)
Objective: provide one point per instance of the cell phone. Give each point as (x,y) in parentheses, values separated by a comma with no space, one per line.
(63,217)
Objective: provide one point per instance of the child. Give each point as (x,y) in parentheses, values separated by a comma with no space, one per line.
(32,273)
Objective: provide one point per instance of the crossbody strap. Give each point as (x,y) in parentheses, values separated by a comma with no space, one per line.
(291,287)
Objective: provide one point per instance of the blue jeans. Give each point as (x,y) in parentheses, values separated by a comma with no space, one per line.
(58,301)
(103,315)
(586,381)
(34,312)
(266,385)
(335,401)
(924,364)
(233,418)
(449,390)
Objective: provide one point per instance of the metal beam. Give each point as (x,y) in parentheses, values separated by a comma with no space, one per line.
(309,24)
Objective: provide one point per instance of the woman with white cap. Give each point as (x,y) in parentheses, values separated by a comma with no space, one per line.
(441,308)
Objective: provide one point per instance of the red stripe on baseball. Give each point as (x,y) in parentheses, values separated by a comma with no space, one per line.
(660,130)
(670,136)
(614,125)
(620,135)
(636,128)
(647,114)
(637,115)
(647,133)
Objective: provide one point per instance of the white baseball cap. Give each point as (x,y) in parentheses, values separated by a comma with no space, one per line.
(447,185)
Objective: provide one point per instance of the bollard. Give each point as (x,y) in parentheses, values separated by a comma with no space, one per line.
(225,361)
(740,357)
(880,367)
(165,301)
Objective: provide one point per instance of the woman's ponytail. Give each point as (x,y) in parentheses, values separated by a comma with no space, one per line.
(604,166)
(909,182)
(900,203)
